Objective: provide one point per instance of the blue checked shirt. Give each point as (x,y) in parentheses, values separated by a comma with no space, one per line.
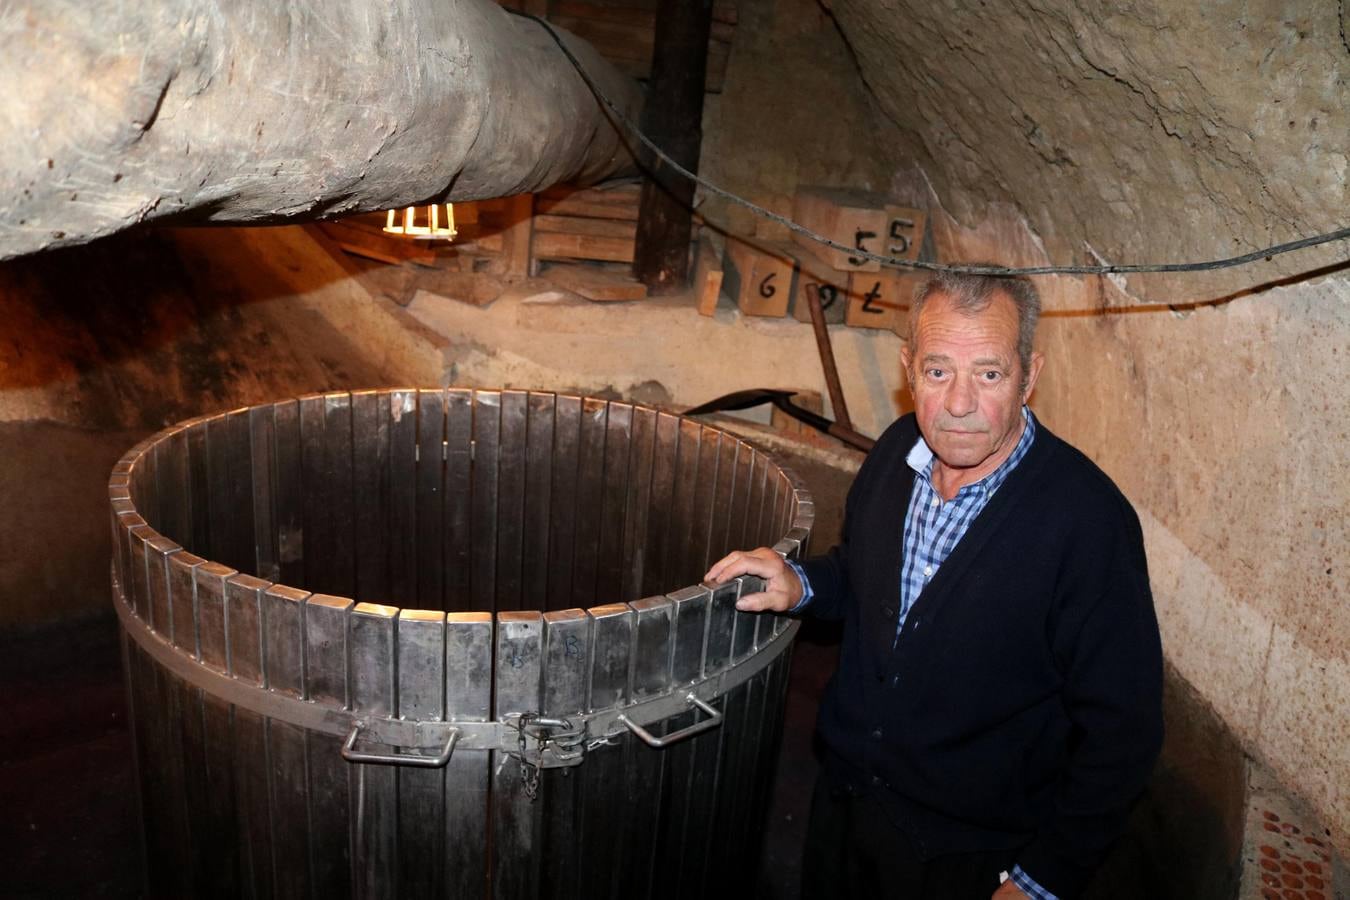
(932,531)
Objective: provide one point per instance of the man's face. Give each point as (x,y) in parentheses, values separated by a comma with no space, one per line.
(968,384)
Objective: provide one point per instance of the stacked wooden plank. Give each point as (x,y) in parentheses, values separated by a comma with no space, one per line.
(623,31)
(590,223)
(770,277)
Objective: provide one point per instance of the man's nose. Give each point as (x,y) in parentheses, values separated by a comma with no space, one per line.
(961,396)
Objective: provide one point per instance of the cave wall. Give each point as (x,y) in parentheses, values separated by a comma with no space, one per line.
(1079,132)
(106,343)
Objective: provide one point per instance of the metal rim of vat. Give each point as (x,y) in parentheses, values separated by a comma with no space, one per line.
(710,647)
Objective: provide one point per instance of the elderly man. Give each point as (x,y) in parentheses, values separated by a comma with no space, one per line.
(997,706)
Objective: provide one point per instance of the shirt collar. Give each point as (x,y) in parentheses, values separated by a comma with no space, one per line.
(920,458)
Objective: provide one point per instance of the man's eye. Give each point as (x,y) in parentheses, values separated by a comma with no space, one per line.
(991,376)
(936,373)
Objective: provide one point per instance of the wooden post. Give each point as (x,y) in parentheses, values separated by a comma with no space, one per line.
(673,120)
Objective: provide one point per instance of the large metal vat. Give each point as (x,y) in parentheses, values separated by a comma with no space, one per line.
(376,644)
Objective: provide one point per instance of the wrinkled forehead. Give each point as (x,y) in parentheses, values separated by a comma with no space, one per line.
(946,327)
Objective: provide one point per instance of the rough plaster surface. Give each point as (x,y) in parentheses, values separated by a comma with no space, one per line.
(120,113)
(1141,131)
(556,341)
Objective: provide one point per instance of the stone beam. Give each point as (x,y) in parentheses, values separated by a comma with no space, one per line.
(199,111)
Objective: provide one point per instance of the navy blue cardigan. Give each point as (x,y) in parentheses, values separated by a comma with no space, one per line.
(1022,706)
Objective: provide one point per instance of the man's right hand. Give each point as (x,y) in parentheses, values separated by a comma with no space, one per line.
(782,588)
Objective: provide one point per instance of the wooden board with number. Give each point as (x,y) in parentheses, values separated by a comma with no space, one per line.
(849,217)
(905,229)
(814,275)
(881,299)
(759,277)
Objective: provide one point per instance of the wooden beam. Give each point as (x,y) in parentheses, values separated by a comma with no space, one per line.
(673,119)
(516,237)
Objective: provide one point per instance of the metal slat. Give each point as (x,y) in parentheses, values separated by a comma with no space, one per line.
(516,835)
(430,499)
(209,782)
(402,524)
(198,487)
(375,803)
(171,467)
(210,580)
(643,768)
(315,487)
(721,625)
(183,600)
(638,511)
(705,492)
(458,499)
(563,510)
(538,500)
(604,840)
(158,549)
(287,492)
(253,826)
(370,494)
(486,430)
(327,682)
(719,543)
(421,654)
(243,598)
(165,822)
(338,495)
(283,640)
(590,493)
(566,672)
(659,570)
(139,575)
(680,553)
(253,822)
(239,485)
(262,450)
(284,744)
(511,500)
(614,505)
(468,697)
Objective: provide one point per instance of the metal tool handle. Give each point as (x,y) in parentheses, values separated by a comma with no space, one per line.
(352,755)
(714,719)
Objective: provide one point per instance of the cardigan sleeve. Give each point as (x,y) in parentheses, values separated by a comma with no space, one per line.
(1111,657)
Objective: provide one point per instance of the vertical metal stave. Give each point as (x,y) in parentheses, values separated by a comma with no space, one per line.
(643,768)
(589,501)
(538,500)
(458,515)
(430,499)
(326,632)
(614,504)
(515,822)
(469,641)
(370,494)
(374,814)
(284,744)
(421,660)
(566,672)
(402,522)
(563,506)
(511,500)
(486,432)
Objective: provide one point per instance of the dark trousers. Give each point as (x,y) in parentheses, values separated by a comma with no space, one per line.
(854,850)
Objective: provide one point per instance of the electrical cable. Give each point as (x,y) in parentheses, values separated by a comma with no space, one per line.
(1339,234)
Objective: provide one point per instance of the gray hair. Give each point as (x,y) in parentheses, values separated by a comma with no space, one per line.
(972,294)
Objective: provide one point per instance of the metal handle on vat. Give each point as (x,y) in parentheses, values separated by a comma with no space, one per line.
(714,719)
(352,755)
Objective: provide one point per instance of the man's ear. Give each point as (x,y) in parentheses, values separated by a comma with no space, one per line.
(1037,361)
(905,360)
